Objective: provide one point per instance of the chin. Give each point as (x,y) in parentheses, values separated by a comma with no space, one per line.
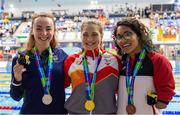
(127,51)
(89,48)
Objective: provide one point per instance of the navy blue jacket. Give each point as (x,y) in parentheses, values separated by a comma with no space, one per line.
(31,89)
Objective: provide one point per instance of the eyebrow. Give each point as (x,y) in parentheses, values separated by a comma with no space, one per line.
(94,32)
(48,26)
(124,32)
(41,26)
(38,26)
(84,32)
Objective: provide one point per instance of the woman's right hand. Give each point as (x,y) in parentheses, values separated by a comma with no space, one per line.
(18,70)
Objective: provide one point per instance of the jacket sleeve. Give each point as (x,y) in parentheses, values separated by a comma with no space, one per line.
(119,63)
(67,63)
(163,78)
(16,88)
(119,60)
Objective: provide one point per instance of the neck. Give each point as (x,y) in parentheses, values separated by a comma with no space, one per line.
(136,51)
(92,53)
(41,48)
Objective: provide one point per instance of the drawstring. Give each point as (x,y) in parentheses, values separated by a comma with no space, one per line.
(154,111)
(93,54)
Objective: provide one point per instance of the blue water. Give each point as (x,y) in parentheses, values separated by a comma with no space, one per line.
(6,100)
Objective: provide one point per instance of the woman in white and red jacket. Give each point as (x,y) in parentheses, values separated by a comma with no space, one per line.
(146,78)
(93,74)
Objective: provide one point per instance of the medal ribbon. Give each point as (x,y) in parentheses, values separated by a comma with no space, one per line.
(45,78)
(130,79)
(90,86)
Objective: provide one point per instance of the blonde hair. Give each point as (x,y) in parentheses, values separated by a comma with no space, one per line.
(31,41)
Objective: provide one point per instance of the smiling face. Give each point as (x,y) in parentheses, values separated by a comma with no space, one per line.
(127,40)
(91,37)
(43,31)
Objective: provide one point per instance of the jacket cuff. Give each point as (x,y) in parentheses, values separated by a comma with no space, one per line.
(16,83)
(165,102)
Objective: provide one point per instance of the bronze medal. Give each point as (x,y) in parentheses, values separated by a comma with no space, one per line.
(47,99)
(89,105)
(131,109)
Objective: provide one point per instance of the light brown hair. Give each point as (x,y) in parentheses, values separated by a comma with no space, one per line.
(93,22)
(31,42)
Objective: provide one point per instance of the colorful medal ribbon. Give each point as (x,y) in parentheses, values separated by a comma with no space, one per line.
(90,85)
(130,79)
(45,78)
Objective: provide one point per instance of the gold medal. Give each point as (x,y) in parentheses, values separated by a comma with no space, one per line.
(89,105)
(47,99)
(131,109)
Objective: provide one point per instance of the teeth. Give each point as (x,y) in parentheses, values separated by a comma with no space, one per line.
(43,38)
(126,45)
(90,44)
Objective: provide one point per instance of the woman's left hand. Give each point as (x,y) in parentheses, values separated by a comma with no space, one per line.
(160,105)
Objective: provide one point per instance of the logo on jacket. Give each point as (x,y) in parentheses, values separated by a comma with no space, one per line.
(107,61)
(78,61)
(55,57)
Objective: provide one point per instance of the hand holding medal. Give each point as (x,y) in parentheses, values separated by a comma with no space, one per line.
(18,70)
(20,67)
(23,59)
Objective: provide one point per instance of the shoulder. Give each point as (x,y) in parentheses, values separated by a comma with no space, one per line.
(158,58)
(70,60)
(73,56)
(111,55)
(60,53)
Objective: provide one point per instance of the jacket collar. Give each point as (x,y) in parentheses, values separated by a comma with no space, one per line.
(92,53)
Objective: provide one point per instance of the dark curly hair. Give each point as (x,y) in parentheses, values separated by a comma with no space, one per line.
(139,28)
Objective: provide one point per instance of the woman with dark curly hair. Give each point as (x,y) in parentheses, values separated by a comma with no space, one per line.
(146,81)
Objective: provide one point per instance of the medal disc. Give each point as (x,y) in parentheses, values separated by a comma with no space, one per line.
(47,99)
(131,109)
(89,105)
